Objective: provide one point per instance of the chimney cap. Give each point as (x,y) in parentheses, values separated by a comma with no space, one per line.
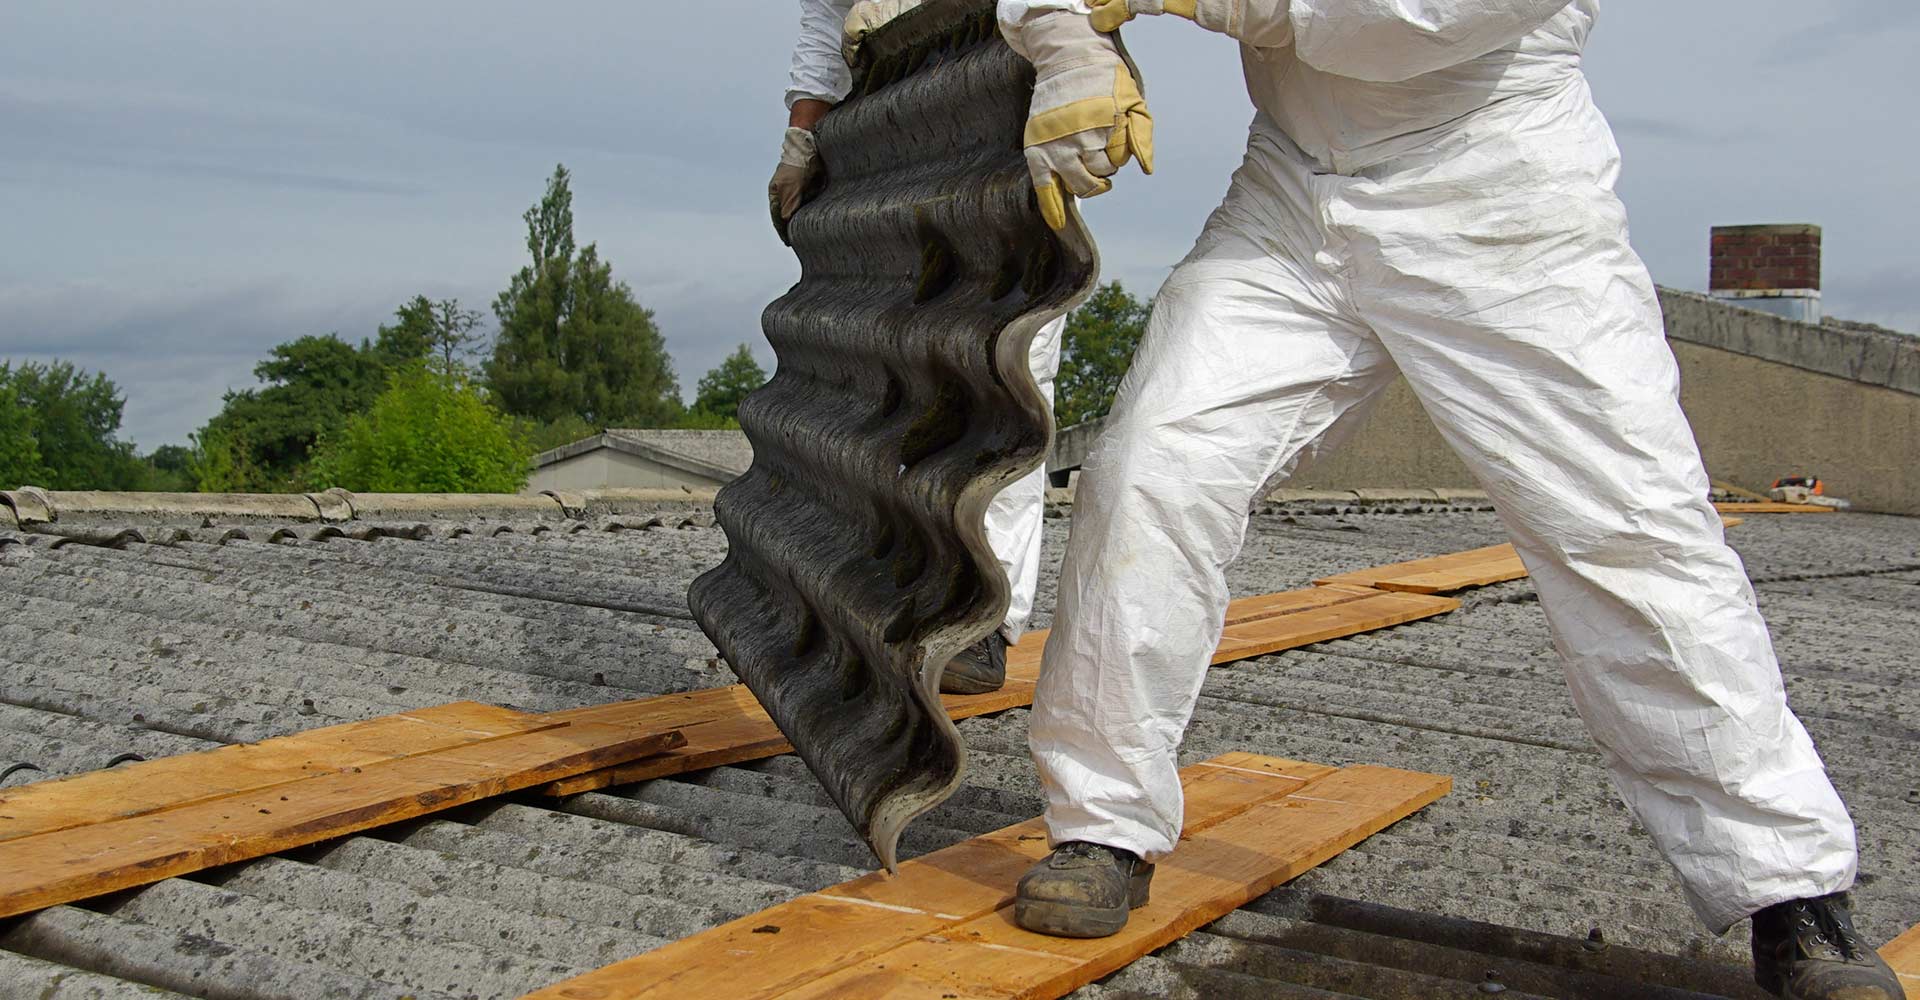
(1769,229)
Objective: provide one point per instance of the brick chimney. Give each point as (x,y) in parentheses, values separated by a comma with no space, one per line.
(1774,269)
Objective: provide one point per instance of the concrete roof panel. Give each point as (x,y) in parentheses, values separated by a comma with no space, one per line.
(157,649)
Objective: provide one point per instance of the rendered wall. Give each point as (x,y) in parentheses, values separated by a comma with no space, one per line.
(604,468)
(1758,420)
(1767,397)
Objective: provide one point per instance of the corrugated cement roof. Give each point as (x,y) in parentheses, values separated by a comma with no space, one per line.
(216,638)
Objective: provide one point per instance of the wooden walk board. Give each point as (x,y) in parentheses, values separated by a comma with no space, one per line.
(1438,574)
(1354,610)
(942,926)
(727,726)
(1903,953)
(170,782)
(262,810)
(1773,507)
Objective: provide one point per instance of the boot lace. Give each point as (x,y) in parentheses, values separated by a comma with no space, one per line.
(1824,923)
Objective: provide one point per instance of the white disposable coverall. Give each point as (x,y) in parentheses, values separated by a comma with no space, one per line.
(1428,190)
(1014,518)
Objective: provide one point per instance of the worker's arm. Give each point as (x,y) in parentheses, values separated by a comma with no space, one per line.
(1088,115)
(818,80)
(1382,40)
(819,76)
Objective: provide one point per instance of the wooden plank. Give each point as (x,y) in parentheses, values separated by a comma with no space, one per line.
(882,936)
(1213,873)
(1903,954)
(44,869)
(1731,522)
(727,726)
(1438,574)
(787,946)
(170,782)
(1772,507)
(1379,609)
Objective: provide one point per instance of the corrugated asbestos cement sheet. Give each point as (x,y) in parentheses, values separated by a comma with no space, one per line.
(857,562)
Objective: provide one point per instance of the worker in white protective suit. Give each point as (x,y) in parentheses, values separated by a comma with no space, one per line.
(1427,191)
(830,31)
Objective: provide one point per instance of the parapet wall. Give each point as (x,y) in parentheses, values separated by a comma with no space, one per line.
(1767,397)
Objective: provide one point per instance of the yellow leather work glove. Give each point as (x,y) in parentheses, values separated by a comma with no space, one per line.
(864,17)
(1088,116)
(1260,23)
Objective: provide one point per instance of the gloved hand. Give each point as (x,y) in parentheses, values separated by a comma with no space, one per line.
(1256,22)
(1088,115)
(1109,15)
(799,165)
(865,17)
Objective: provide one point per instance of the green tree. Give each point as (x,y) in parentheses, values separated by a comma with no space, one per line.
(722,389)
(169,468)
(424,327)
(19,450)
(262,438)
(431,431)
(1100,339)
(572,340)
(73,420)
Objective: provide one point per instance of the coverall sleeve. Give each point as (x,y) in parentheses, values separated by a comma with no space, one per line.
(1394,40)
(819,70)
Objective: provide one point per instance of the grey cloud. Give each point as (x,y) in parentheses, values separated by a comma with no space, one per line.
(1851,22)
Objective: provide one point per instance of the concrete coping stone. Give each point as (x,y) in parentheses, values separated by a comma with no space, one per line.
(335,504)
(94,504)
(1396,494)
(409,506)
(30,504)
(1313,496)
(1873,357)
(572,504)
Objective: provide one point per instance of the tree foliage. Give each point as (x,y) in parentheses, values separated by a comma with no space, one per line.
(431,431)
(19,449)
(262,438)
(572,340)
(61,430)
(423,327)
(721,390)
(1100,340)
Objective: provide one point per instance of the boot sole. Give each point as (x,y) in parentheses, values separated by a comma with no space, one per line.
(1070,921)
(950,684)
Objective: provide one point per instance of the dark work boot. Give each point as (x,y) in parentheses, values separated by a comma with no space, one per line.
(980,668)
(1807,949)
(1081,890)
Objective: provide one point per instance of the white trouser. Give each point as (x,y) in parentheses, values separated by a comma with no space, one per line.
(1015,515)
(1493,271)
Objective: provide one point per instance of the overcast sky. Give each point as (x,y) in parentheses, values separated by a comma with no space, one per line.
(184,185)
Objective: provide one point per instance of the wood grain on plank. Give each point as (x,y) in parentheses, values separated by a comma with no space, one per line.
(1376,610)
(1439,574)
(1903,953)
(58,867)
(853,939)
(1213,872)
(784,947)
(171,782)
(1455,571)
(727,726)
(1773,507)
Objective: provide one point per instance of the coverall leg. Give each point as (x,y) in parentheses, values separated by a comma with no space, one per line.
(1529,330)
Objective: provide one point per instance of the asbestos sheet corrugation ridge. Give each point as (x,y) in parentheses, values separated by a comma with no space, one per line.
(902,402)
(1531,837)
